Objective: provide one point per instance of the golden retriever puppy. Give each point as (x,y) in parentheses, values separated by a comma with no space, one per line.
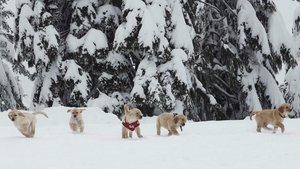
(271,116)
(76,120)
(170,121)
(131,122)
(25,122)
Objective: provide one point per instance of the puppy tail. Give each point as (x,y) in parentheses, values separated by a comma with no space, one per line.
(43,113)
(252,114)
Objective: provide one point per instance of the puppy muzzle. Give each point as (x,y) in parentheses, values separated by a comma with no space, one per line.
(12,119)
(74,116)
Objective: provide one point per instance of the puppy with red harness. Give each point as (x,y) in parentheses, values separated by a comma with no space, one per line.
(130,122)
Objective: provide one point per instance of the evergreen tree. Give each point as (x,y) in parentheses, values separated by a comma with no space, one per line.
(113,82)
(291,88)
(257,76)
(86,48)
(10,90)
(217,63)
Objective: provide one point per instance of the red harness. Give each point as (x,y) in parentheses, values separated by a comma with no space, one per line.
(131,126)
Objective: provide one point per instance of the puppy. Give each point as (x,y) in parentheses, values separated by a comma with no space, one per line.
(170,121)
(271,116)
(25,122)
(130,122)
(76,120)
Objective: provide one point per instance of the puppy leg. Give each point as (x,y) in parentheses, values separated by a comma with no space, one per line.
(81,126)
(130,134)
(259,126)
(158,126)
(25,133)
(170,133)
(281,126)
(174,131)
(138,132)
(81,129)
(73,127)
(31,129)
(266,126)
(124,132)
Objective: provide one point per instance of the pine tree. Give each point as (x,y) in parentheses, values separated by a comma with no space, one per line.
(86,48)
(10,90)
(113,81)
(258,74)
(162,82)
(290,88)
(218,93)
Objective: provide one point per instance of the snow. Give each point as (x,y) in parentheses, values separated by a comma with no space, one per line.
(92,41)
(287,8)
(181,36)
(276,25)
(95,40)
(209,145)
(81,79)
(247,20)
(135,9)
(107,11)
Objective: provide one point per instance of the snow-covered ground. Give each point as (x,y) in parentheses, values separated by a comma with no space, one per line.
(207,145)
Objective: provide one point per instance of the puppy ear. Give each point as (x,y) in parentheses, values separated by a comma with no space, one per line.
(81,110)
(176,119)
(69,110)
(21,114)
(126,108)
(281,109)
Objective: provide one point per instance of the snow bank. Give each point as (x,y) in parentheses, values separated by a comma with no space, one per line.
(209,145)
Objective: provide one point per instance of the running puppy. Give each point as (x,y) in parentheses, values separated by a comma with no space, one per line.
(130,122)
(170,121)
(25,122)
(271,116)
(76,120)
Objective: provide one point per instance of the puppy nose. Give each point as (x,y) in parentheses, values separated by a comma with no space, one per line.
(75,116)
(183,124)
(141,117)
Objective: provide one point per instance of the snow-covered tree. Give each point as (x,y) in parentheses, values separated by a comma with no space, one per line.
(150,37)
(115,72)
(291,87)
(24,38)
(258,75)
(45,45)
(86,49)
(10,89)
(218,89)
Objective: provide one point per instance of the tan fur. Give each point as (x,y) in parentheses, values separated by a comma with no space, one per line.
(271,116)
(25,122)
(131,116)
(76,120)
(169,122)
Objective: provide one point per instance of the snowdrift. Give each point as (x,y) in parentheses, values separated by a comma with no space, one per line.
(209,145)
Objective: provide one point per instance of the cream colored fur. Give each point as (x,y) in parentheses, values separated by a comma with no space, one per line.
(271,116)
(25,122)
(170,122)
(76,121)
(131,116)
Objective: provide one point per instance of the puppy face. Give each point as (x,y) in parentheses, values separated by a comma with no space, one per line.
(76,113)
(180,120)
(134,114)
(13,115)
(285,108)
